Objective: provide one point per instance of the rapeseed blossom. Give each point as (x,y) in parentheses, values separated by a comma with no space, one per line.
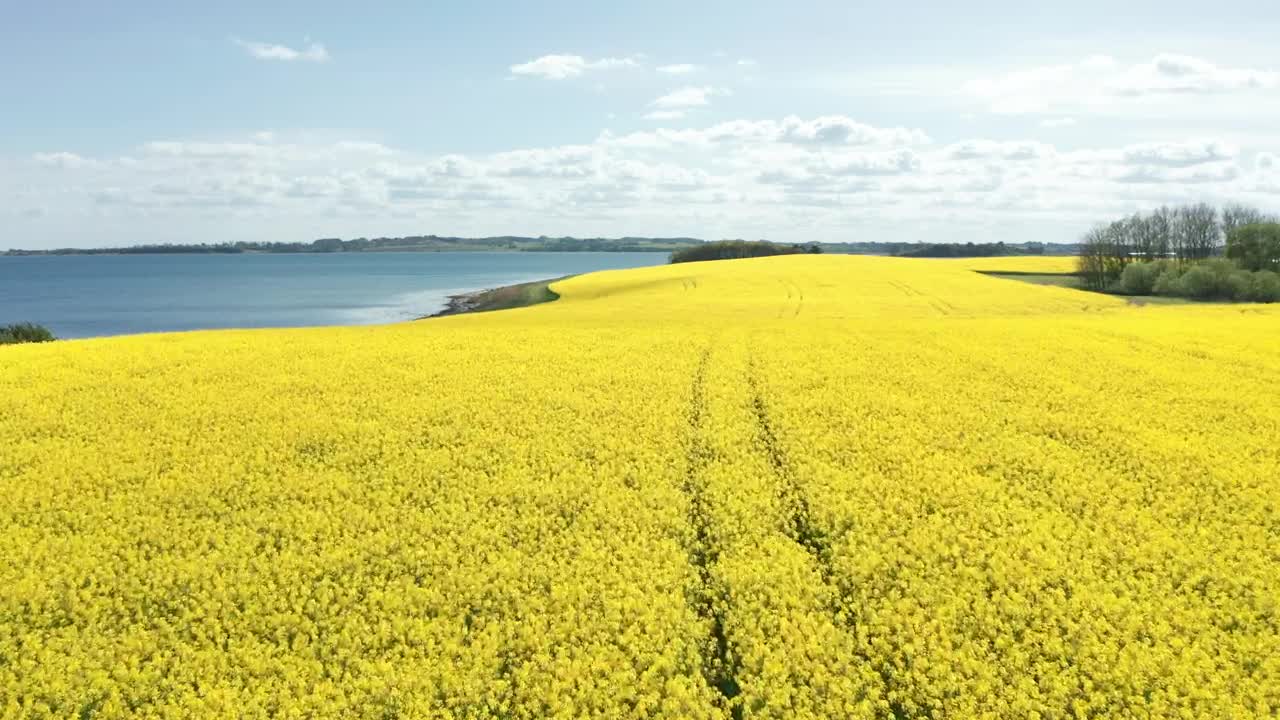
(794,487)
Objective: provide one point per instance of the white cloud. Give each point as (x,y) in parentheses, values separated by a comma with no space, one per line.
(417,173)
(689,97)
(1184,154)
(837,129)
(747,62)
(64,160)
(359,146)
(553,67)
(1100,81)
(830,130)
(1059,122)
(314,52)
(1267,173)
(664,115)
(560,67)
(108,196)
(897,162)
(679,69)
(1189,175)
(1034,89)
(784,179)
(567,161)
(1168,73)
(991,150)
(454,166)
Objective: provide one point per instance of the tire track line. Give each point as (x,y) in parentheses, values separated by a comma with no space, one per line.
(721,669)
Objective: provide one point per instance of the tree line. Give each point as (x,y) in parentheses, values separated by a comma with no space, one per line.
(969,249)
(737,249)
(1186,234)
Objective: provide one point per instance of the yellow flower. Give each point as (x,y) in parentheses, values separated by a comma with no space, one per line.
(795,487)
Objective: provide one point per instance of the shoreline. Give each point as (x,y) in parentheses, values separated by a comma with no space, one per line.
(504,297)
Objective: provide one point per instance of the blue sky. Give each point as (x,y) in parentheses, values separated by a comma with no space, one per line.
(183,122)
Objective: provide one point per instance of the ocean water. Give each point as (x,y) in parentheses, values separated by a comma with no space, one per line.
(79,296)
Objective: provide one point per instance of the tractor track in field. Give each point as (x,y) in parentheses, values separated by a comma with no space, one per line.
(795,294)
(905,289)
(799,524)
(802,527)
(720,670)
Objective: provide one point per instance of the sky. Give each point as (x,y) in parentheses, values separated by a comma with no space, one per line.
(147,122)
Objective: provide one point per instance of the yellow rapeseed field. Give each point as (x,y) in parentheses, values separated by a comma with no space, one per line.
(795,487)
(1049,264)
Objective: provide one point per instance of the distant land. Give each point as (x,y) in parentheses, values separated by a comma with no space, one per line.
(514,243)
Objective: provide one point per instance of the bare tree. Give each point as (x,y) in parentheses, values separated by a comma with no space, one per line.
(1146,232)
(1095,247)
(1197,235)
(1236,215)
(1178,234)
(1161,222)
(1122,236)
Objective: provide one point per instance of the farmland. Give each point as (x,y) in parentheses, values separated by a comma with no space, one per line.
(790,487)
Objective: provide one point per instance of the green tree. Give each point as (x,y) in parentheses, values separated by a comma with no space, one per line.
(732,250)
(24,333)
(1255,246)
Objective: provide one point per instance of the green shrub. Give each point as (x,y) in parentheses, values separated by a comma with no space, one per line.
(1140,278)
(1215,279)
(1239,286)
(1136,279)
(1169,282)
(1264,287)
(24,333)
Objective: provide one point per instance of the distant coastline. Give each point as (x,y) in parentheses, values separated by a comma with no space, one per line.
(416,243)
(515,243)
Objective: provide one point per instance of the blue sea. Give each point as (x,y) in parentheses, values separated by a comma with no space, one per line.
(79,296)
